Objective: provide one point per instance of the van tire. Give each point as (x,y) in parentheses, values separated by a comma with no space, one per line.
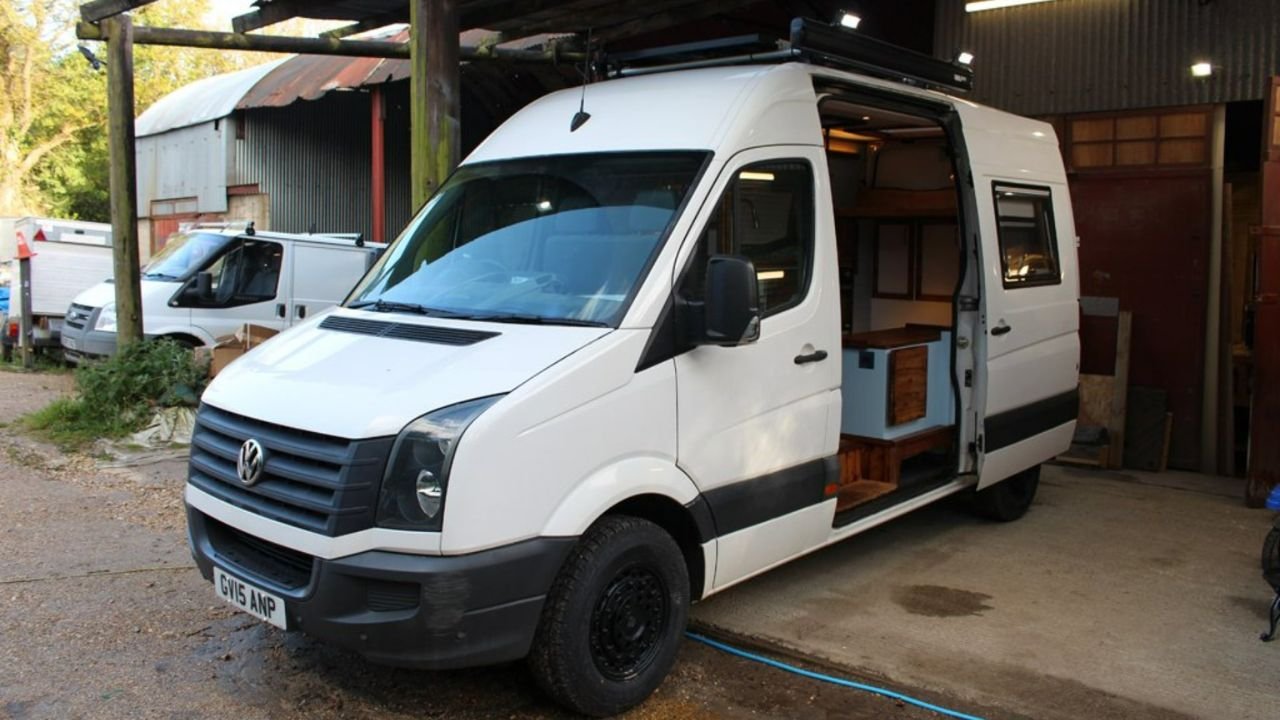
(1008,499)
(622,566)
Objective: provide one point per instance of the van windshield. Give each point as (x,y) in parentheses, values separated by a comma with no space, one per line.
(557,240)
(183,255)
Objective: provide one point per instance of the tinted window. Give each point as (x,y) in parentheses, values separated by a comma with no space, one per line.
(765,215)
(1028,248)
(247,273)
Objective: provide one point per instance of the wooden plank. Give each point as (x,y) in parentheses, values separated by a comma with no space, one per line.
(893,337)
(102,9)
(1120,388)
(1226,403)
(123,180)
(908,384)
(1096,395)
(263,43)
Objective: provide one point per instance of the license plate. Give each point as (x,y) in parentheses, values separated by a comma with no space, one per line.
(258,603)
(68,343)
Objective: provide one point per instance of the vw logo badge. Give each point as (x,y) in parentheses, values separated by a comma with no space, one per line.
(250,461)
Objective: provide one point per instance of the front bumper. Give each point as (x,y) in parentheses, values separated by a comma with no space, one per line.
(83,343)
(420,611)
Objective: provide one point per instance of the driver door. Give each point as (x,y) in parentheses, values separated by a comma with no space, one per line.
(759,423)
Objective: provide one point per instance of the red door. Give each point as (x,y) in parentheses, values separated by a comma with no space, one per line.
(1145,240)
(1264,425)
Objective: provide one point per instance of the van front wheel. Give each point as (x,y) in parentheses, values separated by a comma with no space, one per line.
(1008,499)
(613,619)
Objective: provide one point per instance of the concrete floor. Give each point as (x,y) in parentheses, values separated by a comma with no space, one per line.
(1118,596)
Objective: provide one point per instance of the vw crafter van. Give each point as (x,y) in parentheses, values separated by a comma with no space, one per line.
(644,346)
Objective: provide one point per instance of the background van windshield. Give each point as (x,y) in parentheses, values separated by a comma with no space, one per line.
(183,255)
(563,238)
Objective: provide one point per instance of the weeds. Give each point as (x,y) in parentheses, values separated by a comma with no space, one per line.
(117,396)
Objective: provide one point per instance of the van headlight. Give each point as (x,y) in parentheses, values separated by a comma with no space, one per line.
(412,495)
(106,321)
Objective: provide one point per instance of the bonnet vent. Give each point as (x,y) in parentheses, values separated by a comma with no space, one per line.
(404,331)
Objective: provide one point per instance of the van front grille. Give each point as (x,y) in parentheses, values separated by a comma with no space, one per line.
(78,316)
(259,558)
(317,482)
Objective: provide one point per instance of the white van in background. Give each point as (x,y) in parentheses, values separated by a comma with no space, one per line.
(209,281)
(633,353)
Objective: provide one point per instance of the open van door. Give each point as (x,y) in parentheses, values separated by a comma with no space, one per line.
(1031,321)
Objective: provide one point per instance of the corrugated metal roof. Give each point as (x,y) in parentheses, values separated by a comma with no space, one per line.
(283,82)
(1086,55)
(201,101)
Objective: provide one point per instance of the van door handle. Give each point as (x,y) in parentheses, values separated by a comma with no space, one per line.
(815,356)
(280,311)
(1000,329)
(300,311)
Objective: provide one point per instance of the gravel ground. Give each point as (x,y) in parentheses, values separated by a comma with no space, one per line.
(104,616)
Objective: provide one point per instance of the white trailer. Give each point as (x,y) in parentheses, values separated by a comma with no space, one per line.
(68,257)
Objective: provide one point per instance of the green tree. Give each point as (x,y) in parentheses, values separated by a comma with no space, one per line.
(53,152)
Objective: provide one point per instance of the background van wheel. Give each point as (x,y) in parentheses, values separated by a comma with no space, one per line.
(614,618)
(1008,499)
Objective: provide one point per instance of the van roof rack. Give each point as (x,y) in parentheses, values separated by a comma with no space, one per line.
(811,41)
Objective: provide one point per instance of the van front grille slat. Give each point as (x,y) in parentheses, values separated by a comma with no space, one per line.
(437,334)
(312,481)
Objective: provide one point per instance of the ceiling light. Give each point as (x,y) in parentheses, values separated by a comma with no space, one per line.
(850,20)
(997,4)
(1201,69)
(965,58)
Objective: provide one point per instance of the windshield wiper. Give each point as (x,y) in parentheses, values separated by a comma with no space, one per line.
(160,276)
(529,319)
(392,306)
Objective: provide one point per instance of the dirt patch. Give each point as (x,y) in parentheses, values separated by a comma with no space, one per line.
(939,601)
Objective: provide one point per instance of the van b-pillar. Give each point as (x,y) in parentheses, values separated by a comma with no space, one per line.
(433,95)
(123,178)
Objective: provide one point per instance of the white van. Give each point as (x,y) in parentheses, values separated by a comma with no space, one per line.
(616,365)
(209,281)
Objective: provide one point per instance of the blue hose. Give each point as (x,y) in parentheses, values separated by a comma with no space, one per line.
(829,678)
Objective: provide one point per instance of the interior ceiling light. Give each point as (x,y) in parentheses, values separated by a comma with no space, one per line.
(965,58)
(981,5)
(850,20)
(1201,69)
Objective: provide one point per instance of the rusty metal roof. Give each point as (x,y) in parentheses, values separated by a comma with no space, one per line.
(301,77)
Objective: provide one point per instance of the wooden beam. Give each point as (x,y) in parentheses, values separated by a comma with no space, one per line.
(485,14)
(311,46)
(123,180)
(434,95)
(103,9)
(263,43)
(269,14)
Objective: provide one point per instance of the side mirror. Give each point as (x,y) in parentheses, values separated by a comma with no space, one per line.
(204,285)
(732,304)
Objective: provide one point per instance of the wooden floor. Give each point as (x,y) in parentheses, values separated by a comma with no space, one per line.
(861,491)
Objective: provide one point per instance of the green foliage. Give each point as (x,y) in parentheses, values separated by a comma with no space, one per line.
(117,396)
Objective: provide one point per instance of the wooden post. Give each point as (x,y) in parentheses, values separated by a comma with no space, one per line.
(433,95)
(124,179)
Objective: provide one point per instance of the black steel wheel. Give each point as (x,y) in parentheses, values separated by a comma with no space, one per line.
(614,618)
(1008,499)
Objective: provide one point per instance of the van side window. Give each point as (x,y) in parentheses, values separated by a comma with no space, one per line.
(1028,248)
(765,215)
(247,273)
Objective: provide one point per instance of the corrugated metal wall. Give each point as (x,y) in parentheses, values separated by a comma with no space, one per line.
(312,159)
(184,163)
(1085,55)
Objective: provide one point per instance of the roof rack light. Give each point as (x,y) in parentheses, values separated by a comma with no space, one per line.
(831,45)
